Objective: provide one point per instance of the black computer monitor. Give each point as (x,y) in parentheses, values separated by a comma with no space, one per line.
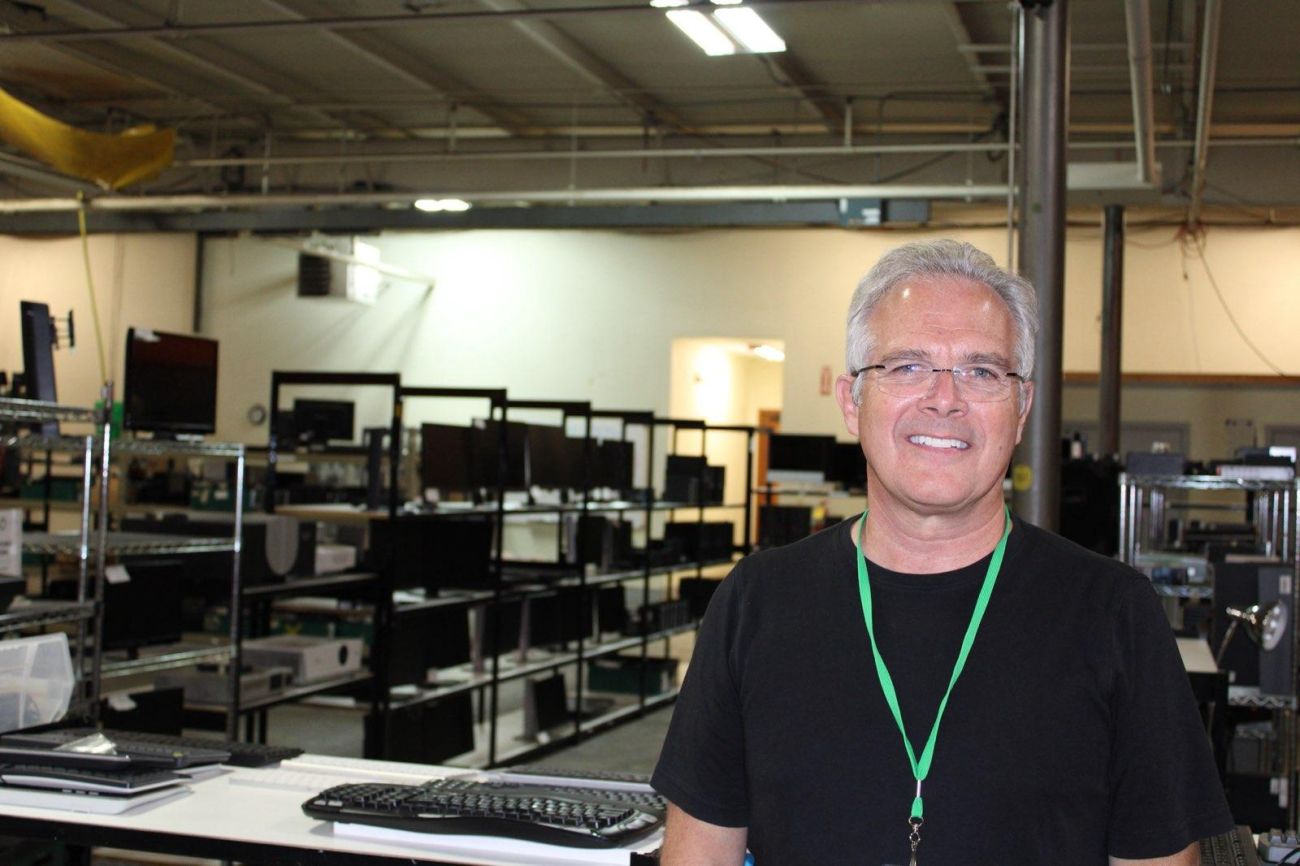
(848,466)
(613,464)
(486,449)
(38,356)
(171,383)
(800,458)
(145,610)
(555,459)
(431,637)
(322,421)
(433,552)
(445,457)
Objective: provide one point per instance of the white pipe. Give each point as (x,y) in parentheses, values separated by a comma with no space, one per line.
(1204,104)
(1138,15)
(634,195)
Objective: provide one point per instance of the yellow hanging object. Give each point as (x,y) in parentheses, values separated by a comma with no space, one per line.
(112,161)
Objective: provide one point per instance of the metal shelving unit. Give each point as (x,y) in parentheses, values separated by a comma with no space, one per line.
(1273,508)
(145,543)
(87,545)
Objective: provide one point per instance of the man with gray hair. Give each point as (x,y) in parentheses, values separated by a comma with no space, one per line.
(808,727)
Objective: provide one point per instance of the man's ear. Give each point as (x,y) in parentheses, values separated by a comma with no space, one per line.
(848,408)
(1027,388)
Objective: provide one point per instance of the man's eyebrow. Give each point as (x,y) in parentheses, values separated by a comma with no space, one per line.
(906,355)
(987,358)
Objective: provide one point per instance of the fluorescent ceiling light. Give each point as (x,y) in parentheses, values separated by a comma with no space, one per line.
(433,205)
(668,4)
(727,2)
(702,31)
(750,30)
(768,353)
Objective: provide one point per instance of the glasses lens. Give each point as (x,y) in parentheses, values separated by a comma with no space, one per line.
(980,383)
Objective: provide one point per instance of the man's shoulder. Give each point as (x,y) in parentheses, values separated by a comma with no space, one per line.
(814,551)
(1056,557)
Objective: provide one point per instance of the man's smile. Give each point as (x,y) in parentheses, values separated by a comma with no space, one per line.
(938,442)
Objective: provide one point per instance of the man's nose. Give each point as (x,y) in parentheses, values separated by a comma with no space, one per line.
(944,394)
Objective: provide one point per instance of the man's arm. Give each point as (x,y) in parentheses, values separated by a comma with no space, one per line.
(1189,856)
(691,842)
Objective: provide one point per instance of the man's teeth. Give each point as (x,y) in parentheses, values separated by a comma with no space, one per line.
(935,442)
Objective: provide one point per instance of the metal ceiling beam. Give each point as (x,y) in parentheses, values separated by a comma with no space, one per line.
(26,169)
(20,21)
(957,24)
(415,71)
(1137,14)
(222,67)
(586,64)
(1204,105)
(790,71)
(358,22)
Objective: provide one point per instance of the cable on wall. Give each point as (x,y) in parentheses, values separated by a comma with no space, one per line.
(90,285)
(1197,243)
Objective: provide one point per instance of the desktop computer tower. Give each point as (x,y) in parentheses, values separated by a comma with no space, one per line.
(274,546)
(1239,585)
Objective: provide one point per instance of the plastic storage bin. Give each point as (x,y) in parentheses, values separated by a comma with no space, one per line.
(36,681)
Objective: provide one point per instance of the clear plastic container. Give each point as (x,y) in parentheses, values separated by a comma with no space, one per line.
(36,681)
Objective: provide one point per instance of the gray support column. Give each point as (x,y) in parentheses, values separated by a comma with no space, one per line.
(1112,303)
(1037,474)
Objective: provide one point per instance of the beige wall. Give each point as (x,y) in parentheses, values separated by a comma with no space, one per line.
(593,314)
(145,280)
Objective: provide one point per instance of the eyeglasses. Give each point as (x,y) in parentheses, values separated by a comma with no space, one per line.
(980,383)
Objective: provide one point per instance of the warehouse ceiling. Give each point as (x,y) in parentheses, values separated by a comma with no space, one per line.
(286,105)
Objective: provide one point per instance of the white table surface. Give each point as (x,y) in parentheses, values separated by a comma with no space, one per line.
(218,809)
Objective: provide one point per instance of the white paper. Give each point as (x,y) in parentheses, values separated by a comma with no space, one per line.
(117,574)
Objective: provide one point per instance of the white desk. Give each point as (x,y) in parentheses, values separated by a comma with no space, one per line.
(222,819)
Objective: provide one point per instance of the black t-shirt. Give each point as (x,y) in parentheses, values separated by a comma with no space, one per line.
(1071,736)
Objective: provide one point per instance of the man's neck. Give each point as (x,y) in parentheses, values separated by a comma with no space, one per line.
(902,540)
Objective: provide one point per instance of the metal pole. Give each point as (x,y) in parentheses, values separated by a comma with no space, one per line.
(1042,253)
(1112,303)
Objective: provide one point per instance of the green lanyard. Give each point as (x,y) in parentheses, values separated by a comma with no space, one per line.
(921,769)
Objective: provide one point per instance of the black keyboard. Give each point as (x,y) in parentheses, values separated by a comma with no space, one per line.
(578,775)
(235,753)
(531,812)
(1230,849)
(84,779)
(142,753)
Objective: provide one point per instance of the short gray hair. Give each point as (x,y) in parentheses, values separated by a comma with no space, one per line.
(944,257)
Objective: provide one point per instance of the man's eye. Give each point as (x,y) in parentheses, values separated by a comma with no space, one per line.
(905,371)
(981,373)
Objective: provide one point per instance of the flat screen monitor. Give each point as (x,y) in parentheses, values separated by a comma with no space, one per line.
(555,459)
(848,466)
(486,449)
(171,383)
(322,421)
(38,356)
(792,458)
(445,457)
(433,552)
(613,465)
(436,637)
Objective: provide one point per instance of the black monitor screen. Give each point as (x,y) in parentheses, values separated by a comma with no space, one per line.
(445,457)
(486,447)
(38,356)
(171,382)
(800,453)
(436,637)
(434,552)
(848,466)
(613,465)
(555,459)
(324,421)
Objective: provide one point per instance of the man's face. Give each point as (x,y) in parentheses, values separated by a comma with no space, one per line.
(937,452)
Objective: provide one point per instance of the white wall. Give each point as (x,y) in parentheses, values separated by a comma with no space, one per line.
(145,279)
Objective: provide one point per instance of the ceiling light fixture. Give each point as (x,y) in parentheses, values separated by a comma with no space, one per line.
(702,31)
(767,352)
(668,4)
(434,205)
(749,29)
